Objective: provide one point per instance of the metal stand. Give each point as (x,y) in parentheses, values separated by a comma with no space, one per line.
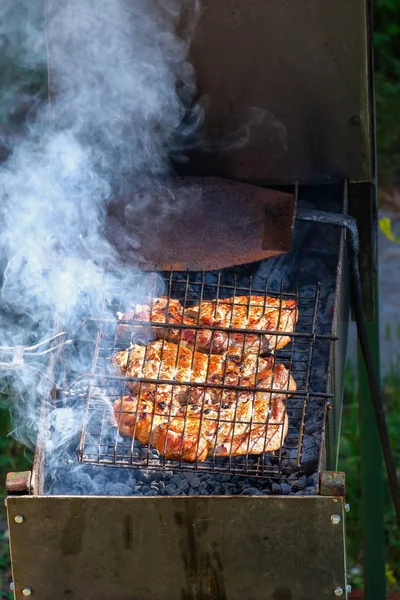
(372,480)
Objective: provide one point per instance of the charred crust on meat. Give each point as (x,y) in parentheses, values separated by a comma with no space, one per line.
(233,357)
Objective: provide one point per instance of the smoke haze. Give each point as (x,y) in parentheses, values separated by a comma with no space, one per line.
(121,110)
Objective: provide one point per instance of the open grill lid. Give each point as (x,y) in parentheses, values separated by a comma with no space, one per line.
(202,223)
(287,95)
(286,89)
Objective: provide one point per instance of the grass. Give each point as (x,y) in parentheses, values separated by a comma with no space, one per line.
(13,457)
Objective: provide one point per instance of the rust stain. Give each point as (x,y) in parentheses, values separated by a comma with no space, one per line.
(203,569)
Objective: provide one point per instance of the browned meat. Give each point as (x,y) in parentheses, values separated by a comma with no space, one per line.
(164,360)
(242,422)
(258,313)
(256,423)
(138,416)
(160,310)
(168,361)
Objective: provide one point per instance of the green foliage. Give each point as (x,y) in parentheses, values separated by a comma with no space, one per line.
(350,463)
(13,457)
(385,225)
(387,89)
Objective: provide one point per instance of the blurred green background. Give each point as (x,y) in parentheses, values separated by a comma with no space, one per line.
(387,80)
(387,90)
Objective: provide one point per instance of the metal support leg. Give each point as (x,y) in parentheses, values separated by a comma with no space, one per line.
(372,482)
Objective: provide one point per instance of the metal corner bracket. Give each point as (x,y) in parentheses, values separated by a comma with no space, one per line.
(332,483)
(19,483)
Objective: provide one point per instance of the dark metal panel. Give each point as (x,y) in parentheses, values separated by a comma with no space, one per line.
(363,206)
(287,90)
(221,548)
(338,358)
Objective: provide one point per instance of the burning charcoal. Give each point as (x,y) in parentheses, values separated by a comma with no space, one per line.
(100,481)
(312,480)
(311,427)
(251,491)
(309,491)
(225,478)
(289,464)
(300,483)
(184,485)
(125,490)
(118,489)
(146,453)
(285,488)
(176,479)
(310,454)
(193,479)
(276,488)
(146,476)
(171,489)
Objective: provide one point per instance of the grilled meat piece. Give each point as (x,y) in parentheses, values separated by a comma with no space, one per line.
(160,310)
(258,313)
(256,423)
(137,416)
(171,312)
(264,430)
(242,422)
(168,361)
(164,360)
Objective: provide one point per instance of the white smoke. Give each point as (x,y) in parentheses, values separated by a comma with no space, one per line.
(121,110)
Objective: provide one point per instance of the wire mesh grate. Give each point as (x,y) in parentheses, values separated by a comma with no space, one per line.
(224,420)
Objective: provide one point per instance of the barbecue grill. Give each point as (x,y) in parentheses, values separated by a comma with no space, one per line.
(287,92)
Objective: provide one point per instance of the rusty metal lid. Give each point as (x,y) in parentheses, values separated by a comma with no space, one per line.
(201,224)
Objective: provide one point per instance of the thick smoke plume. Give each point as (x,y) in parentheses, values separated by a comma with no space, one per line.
(121,91)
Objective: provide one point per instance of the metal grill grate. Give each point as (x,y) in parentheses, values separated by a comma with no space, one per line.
(101,442)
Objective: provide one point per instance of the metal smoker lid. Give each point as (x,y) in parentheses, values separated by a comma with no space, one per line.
(287,91)
(211,223)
